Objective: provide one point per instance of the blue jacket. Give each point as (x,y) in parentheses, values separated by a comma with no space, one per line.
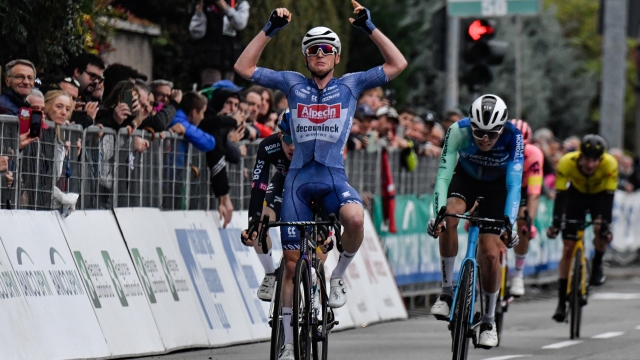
(200,139)
(12,102)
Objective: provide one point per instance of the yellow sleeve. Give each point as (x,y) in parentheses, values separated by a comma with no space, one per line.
(562,173)
(611,181)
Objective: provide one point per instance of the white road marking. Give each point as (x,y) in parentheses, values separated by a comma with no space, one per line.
(615,296)
(608,335)
(562,344)
(507,357)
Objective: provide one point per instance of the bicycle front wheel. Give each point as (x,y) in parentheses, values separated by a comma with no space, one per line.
(576,295)
(301,313)
(321,333)
(462,312)
(277,329)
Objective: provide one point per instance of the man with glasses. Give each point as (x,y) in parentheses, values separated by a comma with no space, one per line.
(490,162)
(87,71)
(162,90)
(20,80)
(322,109)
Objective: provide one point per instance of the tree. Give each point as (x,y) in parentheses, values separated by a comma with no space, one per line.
(47,32)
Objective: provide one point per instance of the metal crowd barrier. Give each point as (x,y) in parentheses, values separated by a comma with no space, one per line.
(107,169)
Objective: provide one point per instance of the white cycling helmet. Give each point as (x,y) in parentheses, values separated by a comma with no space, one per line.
(320,35)
(488,112)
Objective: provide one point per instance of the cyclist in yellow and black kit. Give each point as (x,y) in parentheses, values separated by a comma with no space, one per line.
(585,180)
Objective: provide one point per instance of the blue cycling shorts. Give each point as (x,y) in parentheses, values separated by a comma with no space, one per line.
(326,186)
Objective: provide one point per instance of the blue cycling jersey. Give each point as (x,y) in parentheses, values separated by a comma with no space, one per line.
(506,157)
(320,119)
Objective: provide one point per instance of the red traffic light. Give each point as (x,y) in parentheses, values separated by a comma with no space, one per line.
(480,29)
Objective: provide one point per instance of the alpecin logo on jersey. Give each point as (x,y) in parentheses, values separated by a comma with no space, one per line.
(319,113)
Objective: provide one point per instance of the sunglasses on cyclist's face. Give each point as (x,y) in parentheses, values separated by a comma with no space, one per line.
(480,134)
(287,139)
(325,48)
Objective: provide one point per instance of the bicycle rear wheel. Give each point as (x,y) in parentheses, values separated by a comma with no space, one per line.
(576,295)
(301,313)
(277,328)
(321,333)
(462,312)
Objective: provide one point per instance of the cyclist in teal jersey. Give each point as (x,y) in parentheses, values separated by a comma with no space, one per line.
(490,165)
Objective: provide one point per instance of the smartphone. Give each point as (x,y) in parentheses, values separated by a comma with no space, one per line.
(390,95)
(371,141)
(126,96)
(35,123)
(80,106)
(24,115)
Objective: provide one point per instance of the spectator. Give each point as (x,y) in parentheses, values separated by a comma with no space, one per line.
(418,133)
(280,101)
(162,90)
(451,116)
(20,80)
(215,25)
(371,98)
(225,122)
(159,121)
(188,117)
(405,118)
(435,139)
(119,72)
(356,139)
(36,100)
(115,114)
(253,100)
(367,117)
(625,171)
(87,70)
(57,109)
(98,93)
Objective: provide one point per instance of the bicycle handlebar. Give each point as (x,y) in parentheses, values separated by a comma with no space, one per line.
(333,222)
(506,222)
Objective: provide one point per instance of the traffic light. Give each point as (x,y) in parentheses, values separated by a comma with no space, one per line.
(479,52)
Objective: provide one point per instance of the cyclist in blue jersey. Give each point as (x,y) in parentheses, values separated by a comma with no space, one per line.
(490,165)
(322,109)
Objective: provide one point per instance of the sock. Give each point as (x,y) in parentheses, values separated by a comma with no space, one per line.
(267,263)
(446,265)
(520,259)
(288,328)
(597,258)
(343,263)
(562,290)
(490,300)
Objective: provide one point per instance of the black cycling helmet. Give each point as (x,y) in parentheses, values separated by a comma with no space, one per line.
(593,146)
(284,123)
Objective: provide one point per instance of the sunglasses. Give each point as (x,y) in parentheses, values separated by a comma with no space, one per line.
(287,139)
(480,134)
(325,48)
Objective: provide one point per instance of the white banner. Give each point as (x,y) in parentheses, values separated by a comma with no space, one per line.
(244,262)
(20,337)
(112,283)
(222,309)
(381,281)
(626,222)
(164,275)
(47,276)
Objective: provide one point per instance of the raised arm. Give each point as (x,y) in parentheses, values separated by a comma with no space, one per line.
(394,60)
(248,60)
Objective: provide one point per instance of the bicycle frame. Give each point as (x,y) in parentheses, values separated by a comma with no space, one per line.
(474,233)
(583,277)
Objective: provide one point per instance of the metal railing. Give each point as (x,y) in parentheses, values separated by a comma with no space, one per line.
(116,169)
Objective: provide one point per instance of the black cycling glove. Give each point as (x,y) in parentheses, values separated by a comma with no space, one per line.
(364,21)
(253,226)
(274,24)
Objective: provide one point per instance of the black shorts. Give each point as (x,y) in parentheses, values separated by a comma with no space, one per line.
(467,188)
(524,197)
(273,196)
(577,204)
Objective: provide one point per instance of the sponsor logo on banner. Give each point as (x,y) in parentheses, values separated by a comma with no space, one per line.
(84,273)
(167,273)
(114,279)
(146,284)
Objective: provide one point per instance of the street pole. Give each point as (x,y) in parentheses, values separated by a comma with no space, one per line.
(614,66)
(453,45)
(518,67)
(636,58)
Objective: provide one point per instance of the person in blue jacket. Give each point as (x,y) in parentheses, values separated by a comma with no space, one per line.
(188,117)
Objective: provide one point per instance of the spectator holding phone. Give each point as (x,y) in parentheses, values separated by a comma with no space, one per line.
(159,121)
(162,91)
(121,107)
(87,71)
(215,26)
(20,80)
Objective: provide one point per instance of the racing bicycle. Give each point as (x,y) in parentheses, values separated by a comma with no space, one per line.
(312,317)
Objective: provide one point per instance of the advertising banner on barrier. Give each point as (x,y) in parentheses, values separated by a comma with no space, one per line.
(164,277)
(112,283)
(626,222)
(20,337)
(47,276)
(382,284)
(223,313)
(244,263)
(414,256)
